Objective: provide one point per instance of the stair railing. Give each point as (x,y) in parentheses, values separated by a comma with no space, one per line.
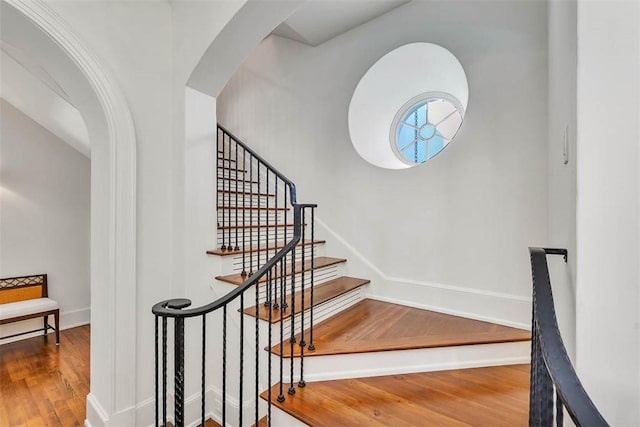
(269,271)
(551,369)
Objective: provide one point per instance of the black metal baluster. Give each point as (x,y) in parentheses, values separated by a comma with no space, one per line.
(292,339)
(224,365)
(269,278)
(276,304)
(164,371)
(267,300)
(179,371)
(257,374)
(241,405)
(244,207)
(301,383)
(236,248)
(156,383)
(220,176)
(285,305)
(251,219)
(229,246)
(559,412)
(204,354)
(258,223)
(281,394)
(311,346)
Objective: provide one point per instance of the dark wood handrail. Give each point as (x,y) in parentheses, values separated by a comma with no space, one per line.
(568,387)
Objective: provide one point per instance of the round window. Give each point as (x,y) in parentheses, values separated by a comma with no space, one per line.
(424,126)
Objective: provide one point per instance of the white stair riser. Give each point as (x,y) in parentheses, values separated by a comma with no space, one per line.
(248,200)
(233,217)
(234,263)
(322,368)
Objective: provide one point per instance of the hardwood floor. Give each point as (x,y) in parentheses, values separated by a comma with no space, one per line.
(42,384)
(374,325)
(493,397)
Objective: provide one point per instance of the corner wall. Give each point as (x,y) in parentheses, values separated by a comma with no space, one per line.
(44,219)
(456,230)
(608,207)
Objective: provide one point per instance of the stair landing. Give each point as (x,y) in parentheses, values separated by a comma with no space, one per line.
(493,396)
(372,326)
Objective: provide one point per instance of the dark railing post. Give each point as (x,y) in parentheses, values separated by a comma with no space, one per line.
(179,371)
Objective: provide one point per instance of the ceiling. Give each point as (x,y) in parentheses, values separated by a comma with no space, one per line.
(316,21)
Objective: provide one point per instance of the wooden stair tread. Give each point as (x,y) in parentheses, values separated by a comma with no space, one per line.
(224,159)
(232,169)
(225,178)
(319,262)
(208,423)
(371,326)
(321,293)
(233,227)
(278,246)
(255,208)
(495,396)
(247,193)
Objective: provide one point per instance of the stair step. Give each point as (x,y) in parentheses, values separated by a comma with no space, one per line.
(246,193)
(224,159)
(321,293)
(233,227)
(491,396)
(246,181)
(319,262)
(232,169)
(374,326)
(254,208)
(278,246)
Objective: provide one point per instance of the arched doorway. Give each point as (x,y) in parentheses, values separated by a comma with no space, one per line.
(33,27)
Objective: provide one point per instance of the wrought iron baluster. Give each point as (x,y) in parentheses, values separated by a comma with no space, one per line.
(276,304)
(270,320)
(292,339)
(559,411)
(258,223)
(178,361)
(311,346)
(250,228)
(241,392)
(257,356)
(281,358)
(236,248)
(229,247)
(156,382)
(225,188)
(301,383)
(244,207)
(284,303)
(204,357)
(164,371)
(267,300)
(224,365)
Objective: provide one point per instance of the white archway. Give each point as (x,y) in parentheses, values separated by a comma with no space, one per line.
(35,28)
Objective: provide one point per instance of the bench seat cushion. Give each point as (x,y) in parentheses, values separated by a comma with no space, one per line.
(24,308)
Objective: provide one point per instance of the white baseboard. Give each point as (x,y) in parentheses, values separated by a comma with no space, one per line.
(497,307)
(68,319)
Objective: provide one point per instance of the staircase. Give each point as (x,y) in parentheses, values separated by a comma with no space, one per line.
(313,345)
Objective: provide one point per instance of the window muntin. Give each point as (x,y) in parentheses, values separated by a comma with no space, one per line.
(424,126)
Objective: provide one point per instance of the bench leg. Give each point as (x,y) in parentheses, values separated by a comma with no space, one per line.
(56,317)
(46,325)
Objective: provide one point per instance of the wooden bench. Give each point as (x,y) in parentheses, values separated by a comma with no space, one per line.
(26,297)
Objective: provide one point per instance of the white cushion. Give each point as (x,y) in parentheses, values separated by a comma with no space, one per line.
(23,308)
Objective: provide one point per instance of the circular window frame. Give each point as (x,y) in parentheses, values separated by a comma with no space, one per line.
(410,105)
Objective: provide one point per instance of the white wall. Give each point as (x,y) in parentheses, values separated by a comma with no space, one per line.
(608,207)
(562,177)
(454,232)
(44,219)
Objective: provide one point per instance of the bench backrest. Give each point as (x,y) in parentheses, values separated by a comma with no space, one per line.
(13,289)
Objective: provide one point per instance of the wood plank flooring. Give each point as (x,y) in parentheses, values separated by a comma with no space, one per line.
(42,384)
(372,325)
(493,397)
